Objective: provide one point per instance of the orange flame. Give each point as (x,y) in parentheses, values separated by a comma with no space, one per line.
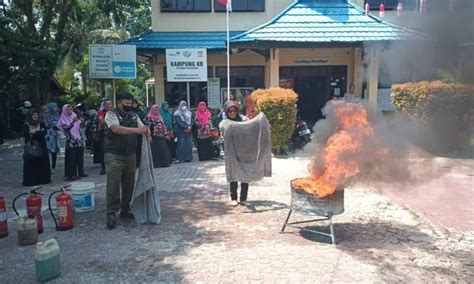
(340,160)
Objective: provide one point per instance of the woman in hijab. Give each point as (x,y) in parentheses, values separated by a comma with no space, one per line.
(232,113)
(203,122)
(70,125)
(98,128)
(36,170)
(167,116)
(52,137)
(183,118)
(159,133)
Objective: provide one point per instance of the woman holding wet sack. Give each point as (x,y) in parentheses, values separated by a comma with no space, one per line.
(232,113)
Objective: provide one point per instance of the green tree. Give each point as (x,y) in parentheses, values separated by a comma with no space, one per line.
(39,31)
(106,22)
(40,39)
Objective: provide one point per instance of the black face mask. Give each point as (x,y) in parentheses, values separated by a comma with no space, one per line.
(127,108)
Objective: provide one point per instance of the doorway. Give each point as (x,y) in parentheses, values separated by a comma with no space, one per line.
(311,97)
(315,86)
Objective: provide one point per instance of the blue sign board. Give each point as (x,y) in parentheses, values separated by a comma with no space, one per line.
(107,61)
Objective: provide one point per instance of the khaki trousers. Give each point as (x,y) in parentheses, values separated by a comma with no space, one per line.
(120,174)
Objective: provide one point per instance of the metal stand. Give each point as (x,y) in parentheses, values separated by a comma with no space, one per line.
(324,218)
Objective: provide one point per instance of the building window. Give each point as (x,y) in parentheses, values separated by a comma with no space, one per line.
(242,6)
(248,76)
(177,91)
(185,5)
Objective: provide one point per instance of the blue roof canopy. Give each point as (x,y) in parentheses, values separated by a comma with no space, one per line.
(152,41)
(324,22)
(303,23)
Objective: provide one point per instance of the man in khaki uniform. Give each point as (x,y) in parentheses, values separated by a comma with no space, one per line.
(120,142)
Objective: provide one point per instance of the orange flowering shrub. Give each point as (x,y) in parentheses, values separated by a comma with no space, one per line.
(279,106)
(447,109)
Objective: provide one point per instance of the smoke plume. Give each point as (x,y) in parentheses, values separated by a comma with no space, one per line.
(353,144)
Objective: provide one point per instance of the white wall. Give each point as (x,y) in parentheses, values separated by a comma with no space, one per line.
(239,21)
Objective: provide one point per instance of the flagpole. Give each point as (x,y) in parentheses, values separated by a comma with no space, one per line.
(228,52)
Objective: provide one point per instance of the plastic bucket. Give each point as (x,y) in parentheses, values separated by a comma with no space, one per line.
(83,196)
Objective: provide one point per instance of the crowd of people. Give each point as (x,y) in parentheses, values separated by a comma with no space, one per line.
(116,135)
(172,136)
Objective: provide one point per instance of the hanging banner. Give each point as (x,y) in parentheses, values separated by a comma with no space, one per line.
(186,65)
(213,93)
(108,61)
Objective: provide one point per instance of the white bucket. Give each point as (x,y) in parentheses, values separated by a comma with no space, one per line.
(83,196)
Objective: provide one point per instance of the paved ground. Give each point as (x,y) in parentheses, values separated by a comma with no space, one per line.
(203,239)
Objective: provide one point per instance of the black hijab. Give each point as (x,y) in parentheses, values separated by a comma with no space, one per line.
(29,119)
(227,106)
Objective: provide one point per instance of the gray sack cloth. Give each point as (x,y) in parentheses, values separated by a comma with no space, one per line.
(145,201)
(247,146)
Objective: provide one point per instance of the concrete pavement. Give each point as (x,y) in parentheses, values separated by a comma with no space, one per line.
(204,240)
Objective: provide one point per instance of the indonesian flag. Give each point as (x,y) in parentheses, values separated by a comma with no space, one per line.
(227,3)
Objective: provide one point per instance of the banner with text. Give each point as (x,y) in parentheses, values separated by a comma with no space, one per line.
(186,65)
(107,61)
(213,93)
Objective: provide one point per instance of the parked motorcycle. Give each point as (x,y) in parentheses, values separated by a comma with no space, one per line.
(217,142)
(301,135)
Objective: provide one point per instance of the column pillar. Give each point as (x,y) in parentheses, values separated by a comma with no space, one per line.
(274,68)
(373,74)
(159,81)
(358,73)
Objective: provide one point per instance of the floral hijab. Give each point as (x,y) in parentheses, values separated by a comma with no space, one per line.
(154,114)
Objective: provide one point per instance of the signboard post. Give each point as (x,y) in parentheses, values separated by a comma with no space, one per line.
(213,93)
(100,61)
(186,65)
(107,61)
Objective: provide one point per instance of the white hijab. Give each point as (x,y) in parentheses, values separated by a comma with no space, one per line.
(185,115)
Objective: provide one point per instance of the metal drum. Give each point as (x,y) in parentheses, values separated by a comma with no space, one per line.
(313,205)
(324,208)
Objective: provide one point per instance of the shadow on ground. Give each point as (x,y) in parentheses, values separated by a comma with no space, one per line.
(131,252)
(386,245)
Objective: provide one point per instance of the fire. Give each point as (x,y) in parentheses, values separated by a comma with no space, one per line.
(344,152)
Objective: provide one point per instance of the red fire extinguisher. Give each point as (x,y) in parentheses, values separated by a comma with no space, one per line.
(64,210)
(3,219)
(33,207)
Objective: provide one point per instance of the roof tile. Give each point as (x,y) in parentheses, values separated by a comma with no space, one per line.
(163,40)
(322,21)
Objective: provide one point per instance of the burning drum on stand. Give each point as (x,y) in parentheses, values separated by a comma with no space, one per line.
(308,204)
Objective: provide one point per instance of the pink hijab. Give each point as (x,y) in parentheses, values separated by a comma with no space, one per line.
(154,113)
(202,115)
(66,119)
